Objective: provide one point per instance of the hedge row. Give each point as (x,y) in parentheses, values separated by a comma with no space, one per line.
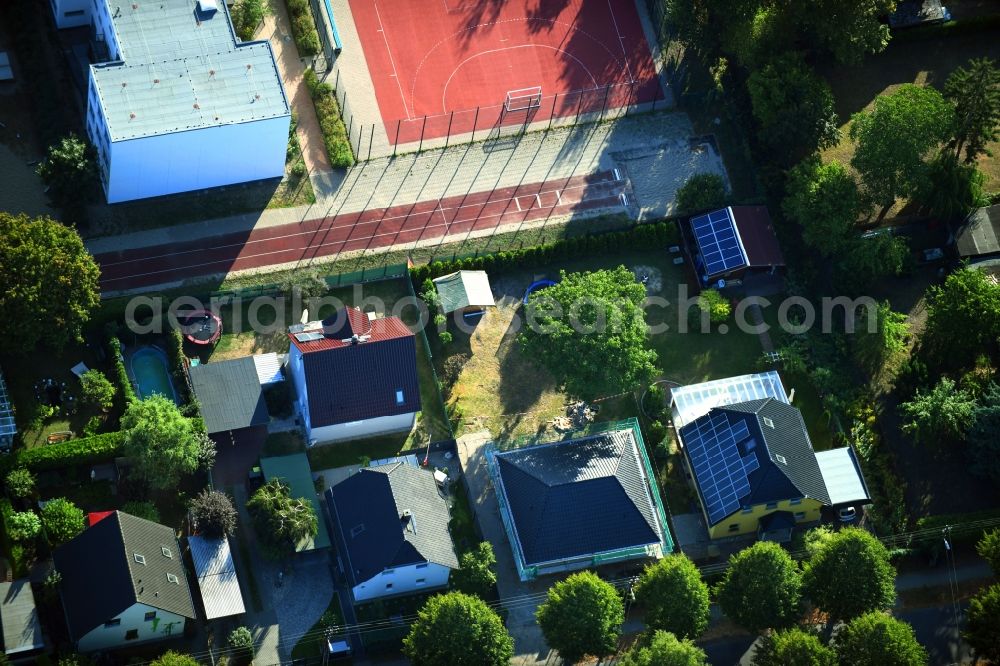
(644,236)
(73,453)
(114,350)
(303,27)
(335,139)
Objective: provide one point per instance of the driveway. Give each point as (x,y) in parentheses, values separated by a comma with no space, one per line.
(529,644)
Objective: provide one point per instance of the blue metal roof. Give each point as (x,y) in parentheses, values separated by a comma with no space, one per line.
(8,427)
(719,242)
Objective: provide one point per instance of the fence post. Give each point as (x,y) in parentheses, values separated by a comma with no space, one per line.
(579,108)
(448,135)
(371,139)
(475,121)
(350,126)
(422,128)
(628,102)
(604,107)
(336,82)
(396,142)
(552,114)
(342,102)
(361,129)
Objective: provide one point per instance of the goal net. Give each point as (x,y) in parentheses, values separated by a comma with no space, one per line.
(523,99)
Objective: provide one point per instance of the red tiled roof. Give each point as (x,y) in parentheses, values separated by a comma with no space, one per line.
(386,328)
(757,236)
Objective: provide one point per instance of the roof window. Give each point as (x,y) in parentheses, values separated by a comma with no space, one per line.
(173,579)
(166,552)
(141,559)
(399,396)
(780,458)
(767,421)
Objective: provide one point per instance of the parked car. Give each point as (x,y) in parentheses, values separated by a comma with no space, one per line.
(847,514)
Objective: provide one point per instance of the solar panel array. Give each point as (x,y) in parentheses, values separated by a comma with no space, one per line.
(718,241)
(721,472)
(7,426)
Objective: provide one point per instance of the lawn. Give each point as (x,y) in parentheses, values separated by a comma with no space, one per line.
(494,386)
(921,61)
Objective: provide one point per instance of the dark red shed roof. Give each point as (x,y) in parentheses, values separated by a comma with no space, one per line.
(758,237)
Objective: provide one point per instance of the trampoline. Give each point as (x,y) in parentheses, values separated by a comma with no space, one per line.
(534,286)
(200,327)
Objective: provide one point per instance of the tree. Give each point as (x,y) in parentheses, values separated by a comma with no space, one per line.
(142,509)
(280,520)
(458,630)
(171,658)
(983,438)
(963,316)
(206,450)
(306,284)
(824,200)
(214,514)
(849,29)
(23,526)
(868,259)
(849,575)
(982,630)
(20,483)
(665,649)
(793,108)
(247,15)
(989,549)
(886,342)
(589,332)
(975,92)
(875,639)
(894,138)
(70,172)
(762,588)
(477,571)
(792,647)
(241,641)
(62,519)
(702,191)
(674,596)
(50,283)
(97,390)
(944,413)
(582,615)
(160,441)
(715,305)
(951,190)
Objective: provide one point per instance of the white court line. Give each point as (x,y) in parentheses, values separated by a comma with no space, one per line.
(518,204)
(445,219)
(381,28)
(332,227)
(538,199)
(343,243)
(621,43)
(558,198)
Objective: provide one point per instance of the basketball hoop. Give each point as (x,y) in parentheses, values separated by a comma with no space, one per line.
(523,99)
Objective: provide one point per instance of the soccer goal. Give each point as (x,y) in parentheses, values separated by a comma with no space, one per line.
(523,99)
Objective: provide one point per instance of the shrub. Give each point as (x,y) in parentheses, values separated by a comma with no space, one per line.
(121,376)
(241,640)
(20,483)
(142,509)
(23,526)
(306,37)
(214,514)
(93,426)
(702,191)
(715,304)
(97,390)
(63,520)
(335,139)
(73,453)
(445,337)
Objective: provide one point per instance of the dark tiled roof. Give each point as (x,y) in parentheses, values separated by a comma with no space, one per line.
(786,462)
(229,394)
(578,497)
(368,509)
(351,382)
(101,577)
(757,235)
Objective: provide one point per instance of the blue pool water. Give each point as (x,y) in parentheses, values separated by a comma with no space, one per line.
(149,369)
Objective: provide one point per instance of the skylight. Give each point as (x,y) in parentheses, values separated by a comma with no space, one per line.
(767,421)
(166,552)
(399,397)
(780,458)
(173,579)
(141,559)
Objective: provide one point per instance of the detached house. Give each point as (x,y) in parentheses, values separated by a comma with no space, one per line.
(391,525)
(123,582)
(752,462)
(355,376)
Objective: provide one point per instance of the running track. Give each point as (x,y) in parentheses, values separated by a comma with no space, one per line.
(376,228)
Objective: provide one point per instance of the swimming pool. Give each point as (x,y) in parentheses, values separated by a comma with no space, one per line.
(149,370)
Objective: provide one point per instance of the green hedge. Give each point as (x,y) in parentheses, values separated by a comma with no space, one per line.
(114,351)
(14,552)
(303,27)
(75,452)
(644,236)
(335,139)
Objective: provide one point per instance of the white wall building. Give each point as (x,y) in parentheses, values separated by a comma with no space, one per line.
(180,105)
(391,526)
(354,376)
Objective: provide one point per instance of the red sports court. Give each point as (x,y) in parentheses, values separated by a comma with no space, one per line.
(443,67)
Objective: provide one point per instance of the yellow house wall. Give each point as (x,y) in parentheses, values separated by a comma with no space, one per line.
(748,522)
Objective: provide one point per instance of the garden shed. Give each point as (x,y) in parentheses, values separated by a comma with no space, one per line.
(464,291)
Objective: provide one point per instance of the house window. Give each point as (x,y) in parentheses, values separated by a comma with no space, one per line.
(150,616)
(734,528)
(421,581)
(800,515)
(131,634)
(113,623)
(797,500)
(388,572)
(388,586)
(422,565)
(77,12)
(399,397)
(748,509)
(772,505)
